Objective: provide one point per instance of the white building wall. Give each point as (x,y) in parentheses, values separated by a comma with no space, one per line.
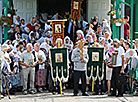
(26,8)
(98,8)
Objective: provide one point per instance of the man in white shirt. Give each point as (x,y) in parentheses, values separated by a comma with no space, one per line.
(118,69)
(28,67)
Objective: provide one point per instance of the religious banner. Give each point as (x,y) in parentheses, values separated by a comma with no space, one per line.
(57,30)
(75,9)
(59,64)
(95,68)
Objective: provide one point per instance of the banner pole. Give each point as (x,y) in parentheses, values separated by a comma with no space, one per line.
(60,87)
(92,85)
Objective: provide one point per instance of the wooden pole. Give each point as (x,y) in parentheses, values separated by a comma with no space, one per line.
(6,86)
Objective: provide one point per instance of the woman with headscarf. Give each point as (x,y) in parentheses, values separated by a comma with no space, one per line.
(67,42)
(105,26)
(89,41)
(80,36)
(15,66)
(6,71)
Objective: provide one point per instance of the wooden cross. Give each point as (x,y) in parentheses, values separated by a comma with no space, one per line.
(82,45)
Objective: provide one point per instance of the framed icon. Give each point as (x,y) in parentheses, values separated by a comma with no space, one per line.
(30,62)
(58,58)
(114,58)
(58,28)
(95,56)
(76,5)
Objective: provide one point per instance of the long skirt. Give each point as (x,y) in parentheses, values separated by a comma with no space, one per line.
(40,77)
(8,83)
(15,80)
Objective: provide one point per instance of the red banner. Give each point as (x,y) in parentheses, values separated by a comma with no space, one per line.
(75,9)
(57,30)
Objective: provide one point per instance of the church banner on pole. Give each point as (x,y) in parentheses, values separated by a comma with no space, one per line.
(59,64)
(57,29)
(75,9)
(95,69)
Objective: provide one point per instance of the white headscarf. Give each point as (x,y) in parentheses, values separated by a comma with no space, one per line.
(4,47)
(58,39)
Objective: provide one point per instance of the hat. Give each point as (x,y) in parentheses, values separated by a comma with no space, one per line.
(4,47)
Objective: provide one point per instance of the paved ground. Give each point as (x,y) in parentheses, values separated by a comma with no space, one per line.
(48,97)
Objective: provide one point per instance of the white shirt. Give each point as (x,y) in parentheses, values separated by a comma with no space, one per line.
(40,54)
(119,56)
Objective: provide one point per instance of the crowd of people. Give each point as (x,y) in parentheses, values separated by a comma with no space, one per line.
(25,56)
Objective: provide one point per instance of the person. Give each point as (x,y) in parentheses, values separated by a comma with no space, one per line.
(28,67)
(55,17)
(17,20)
(23,23)
(136,45)
(12,29)
(67,42)
(108,58)
(89,41)
(107,36)
(134,67)
(45,47)
(105,26)
(79,35)
(31,25)
(60,45)
(127,57)
(13,35)
(102,41)
(40,68)
(127,29)
(80,63)
(15,66)
(5,68)
(99,32)
(118,69)
(95,24)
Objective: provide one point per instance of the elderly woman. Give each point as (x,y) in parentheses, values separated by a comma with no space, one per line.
(6,71)
(134,66)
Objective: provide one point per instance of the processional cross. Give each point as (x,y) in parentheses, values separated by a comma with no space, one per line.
(82,45)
